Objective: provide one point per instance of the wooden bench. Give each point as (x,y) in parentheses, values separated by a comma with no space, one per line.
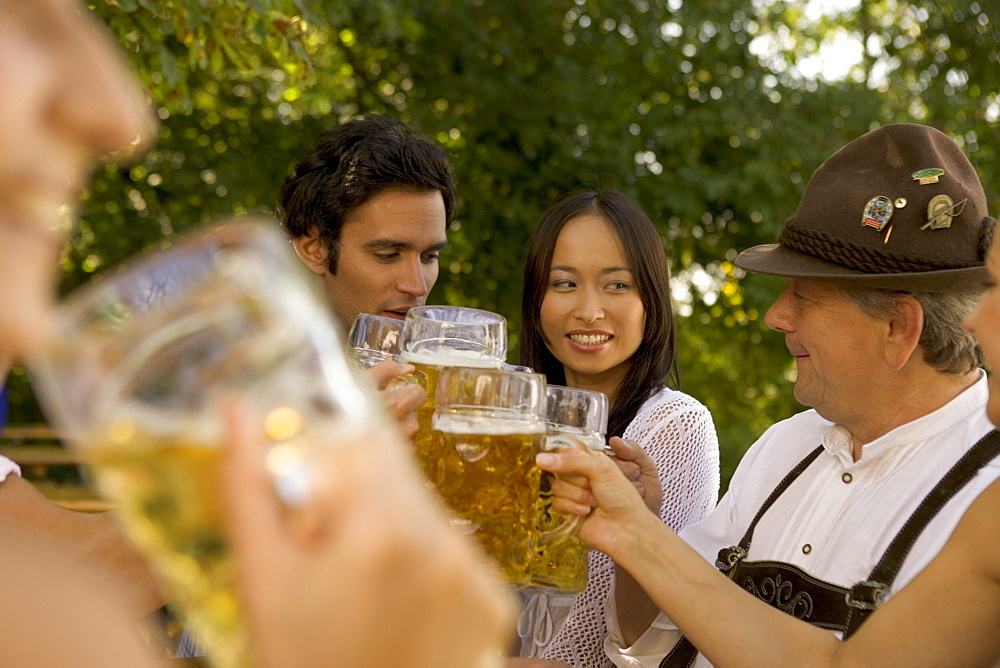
(36,448)
(29,432)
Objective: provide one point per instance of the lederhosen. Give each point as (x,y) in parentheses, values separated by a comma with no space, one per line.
(792,590)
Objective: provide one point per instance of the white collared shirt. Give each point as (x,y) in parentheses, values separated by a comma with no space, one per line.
(838,518)
(7,467)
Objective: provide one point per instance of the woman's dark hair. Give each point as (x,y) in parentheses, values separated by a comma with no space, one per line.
(654,361)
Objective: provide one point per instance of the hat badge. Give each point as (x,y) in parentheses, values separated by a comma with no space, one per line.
(940,210)
(928,175)
(877,212)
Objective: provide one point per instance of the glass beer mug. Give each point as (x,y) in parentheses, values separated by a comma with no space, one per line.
(373,339)
(488,426)
(435,337)
(583,415)
(143,359)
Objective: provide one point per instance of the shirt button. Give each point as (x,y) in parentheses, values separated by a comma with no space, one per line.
(847,478)
(807,548)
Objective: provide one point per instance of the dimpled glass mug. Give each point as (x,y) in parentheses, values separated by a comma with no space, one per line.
(583,415)
(435,337)
(373,339)
(488,426)
(144,360)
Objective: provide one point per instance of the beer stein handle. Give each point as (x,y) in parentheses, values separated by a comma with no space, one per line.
(569,527)
(415,378)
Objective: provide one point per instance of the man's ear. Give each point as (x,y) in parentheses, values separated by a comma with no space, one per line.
(905,328)
(312,252)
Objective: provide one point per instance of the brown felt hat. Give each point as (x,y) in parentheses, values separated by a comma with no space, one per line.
(899,208)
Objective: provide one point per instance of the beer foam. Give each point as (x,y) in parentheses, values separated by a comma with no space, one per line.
(451,357)
(487,425)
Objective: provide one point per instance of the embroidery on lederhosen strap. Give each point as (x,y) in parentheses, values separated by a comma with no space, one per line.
(683,653)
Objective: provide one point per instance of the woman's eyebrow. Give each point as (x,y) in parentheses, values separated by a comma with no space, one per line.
(608,270)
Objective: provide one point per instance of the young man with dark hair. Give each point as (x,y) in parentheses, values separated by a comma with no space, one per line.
(367,212)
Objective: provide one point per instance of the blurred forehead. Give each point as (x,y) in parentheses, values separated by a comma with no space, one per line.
(30,9)
(43,18)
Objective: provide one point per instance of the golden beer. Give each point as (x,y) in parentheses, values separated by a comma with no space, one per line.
(484,468)
(167,491)
(166,485)
(560,565)
(429,367)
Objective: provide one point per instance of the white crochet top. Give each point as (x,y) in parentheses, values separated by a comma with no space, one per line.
(677,432)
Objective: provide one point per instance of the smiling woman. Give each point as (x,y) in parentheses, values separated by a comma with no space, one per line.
(592,316)
(68,99)
(596,316)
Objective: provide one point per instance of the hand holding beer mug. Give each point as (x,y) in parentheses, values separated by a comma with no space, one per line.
(584,416)
(373,339)
(145,358)
(435,337)
(488,426)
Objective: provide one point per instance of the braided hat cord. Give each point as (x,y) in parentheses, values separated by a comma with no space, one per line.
(825,246)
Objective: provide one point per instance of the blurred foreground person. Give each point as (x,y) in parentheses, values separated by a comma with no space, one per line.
(369,574)
(66,102)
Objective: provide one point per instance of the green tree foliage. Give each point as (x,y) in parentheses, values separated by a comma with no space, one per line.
(700,111)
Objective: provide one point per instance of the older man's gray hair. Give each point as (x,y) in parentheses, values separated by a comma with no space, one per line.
(945,343)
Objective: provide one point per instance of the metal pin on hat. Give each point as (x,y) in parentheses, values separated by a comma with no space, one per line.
(899,203)
(928,175)
(877,214)
(940,210)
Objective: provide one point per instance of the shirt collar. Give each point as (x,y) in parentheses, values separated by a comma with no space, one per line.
(837,439)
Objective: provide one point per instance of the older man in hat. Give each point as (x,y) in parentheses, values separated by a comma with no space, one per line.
(835,509)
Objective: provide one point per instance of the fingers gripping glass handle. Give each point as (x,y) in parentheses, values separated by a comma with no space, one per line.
(569,526)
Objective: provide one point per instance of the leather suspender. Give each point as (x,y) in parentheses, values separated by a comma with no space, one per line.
(868,595)
(683,653)
(853,605)
(730,556)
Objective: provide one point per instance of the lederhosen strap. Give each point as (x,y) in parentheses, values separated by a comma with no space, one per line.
(868,595)
(820,603)
(731,556)
(683,654)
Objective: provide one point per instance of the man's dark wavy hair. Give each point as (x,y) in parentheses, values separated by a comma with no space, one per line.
(352,163)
